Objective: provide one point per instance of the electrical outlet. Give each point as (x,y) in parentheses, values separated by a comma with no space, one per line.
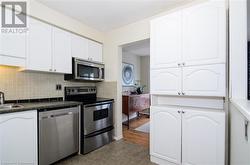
(58,87)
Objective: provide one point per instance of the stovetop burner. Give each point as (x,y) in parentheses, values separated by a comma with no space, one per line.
(84,94)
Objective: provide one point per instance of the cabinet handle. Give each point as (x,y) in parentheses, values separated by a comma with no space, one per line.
(179,93)
(179,111)
(54,69)
(183,112)
(246,130)
(179,64)
(183,64)
(183,93)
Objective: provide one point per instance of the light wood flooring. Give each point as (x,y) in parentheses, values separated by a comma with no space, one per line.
(136,137)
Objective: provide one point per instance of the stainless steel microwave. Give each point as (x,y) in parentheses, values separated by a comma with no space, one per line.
(84,70)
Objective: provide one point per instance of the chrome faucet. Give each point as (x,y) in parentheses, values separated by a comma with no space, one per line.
(2,98)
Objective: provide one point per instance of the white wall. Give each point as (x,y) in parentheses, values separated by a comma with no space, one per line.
(238,49)
(46,14)
(136,62)
(145,73)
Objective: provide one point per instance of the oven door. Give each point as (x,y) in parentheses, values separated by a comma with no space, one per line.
(85,70)
(97,117)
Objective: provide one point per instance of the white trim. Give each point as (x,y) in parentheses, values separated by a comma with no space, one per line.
(116,138)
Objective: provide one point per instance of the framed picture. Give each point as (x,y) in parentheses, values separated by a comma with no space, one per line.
(128,77)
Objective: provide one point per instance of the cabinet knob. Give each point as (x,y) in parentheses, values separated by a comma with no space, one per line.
(50,69)
(183,112)
(54,70)
(179,111)
(183,93)
(179,64)
(183,64)
(179,93)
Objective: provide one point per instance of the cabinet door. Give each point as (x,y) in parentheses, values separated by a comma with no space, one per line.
(8,40)
(62,62)
(39,46)
(203,137)
(165,133)
(239,138)
(18,138)
(12,55)
(204,33)
(79,47)
(166,81)
(204,80)
(166,41)
(95,51)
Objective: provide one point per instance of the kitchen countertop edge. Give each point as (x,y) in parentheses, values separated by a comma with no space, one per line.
(40,105)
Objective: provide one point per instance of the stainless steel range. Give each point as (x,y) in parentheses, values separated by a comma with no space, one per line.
(96,117)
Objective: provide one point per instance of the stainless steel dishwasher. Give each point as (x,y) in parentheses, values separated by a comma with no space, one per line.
(58,134)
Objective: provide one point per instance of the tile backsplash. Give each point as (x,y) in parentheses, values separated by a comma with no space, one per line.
(32,85)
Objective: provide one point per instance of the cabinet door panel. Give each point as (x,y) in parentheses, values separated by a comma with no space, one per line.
(165,133)
(12,55)
(79,47)
(203,137)
(39,46)
(18,138)
(204,33)
(166,41)
(62,61)
(205,80)
(95,51)
(166,81)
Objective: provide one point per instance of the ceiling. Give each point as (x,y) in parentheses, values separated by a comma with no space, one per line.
(105,15)
(139,48)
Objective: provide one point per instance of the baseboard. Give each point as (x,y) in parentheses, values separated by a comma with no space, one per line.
(160,161)
(116,138)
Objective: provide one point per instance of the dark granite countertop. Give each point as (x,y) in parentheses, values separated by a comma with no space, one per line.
(39,105)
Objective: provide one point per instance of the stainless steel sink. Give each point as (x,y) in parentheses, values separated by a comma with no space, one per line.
(10,106)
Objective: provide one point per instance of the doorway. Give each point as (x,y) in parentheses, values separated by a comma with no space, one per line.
(135,75)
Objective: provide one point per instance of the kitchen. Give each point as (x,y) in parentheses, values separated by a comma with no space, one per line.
(61,92)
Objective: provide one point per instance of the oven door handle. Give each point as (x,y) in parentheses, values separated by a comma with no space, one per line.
(99,132)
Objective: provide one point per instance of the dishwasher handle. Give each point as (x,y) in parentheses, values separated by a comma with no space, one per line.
(57,115)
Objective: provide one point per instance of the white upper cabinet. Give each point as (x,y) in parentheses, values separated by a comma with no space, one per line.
(39,57)
(166,81)
(165,134)
(86,49)
(79,47)
(95,51)
(192,36)
(18,138)
(204,80)
(166,41)
(9,54)
(62,61)
(49,48)
(203,137)
(204,33)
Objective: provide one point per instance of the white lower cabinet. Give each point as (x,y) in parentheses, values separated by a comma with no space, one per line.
(18,138)
(203,137)
(239,137)
(187,136)
(165,134)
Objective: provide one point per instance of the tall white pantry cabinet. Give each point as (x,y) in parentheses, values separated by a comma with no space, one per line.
(188,85)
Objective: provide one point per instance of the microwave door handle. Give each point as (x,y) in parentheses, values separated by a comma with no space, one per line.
(100,73)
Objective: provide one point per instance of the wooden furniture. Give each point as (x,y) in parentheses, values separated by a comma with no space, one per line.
(134,104)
